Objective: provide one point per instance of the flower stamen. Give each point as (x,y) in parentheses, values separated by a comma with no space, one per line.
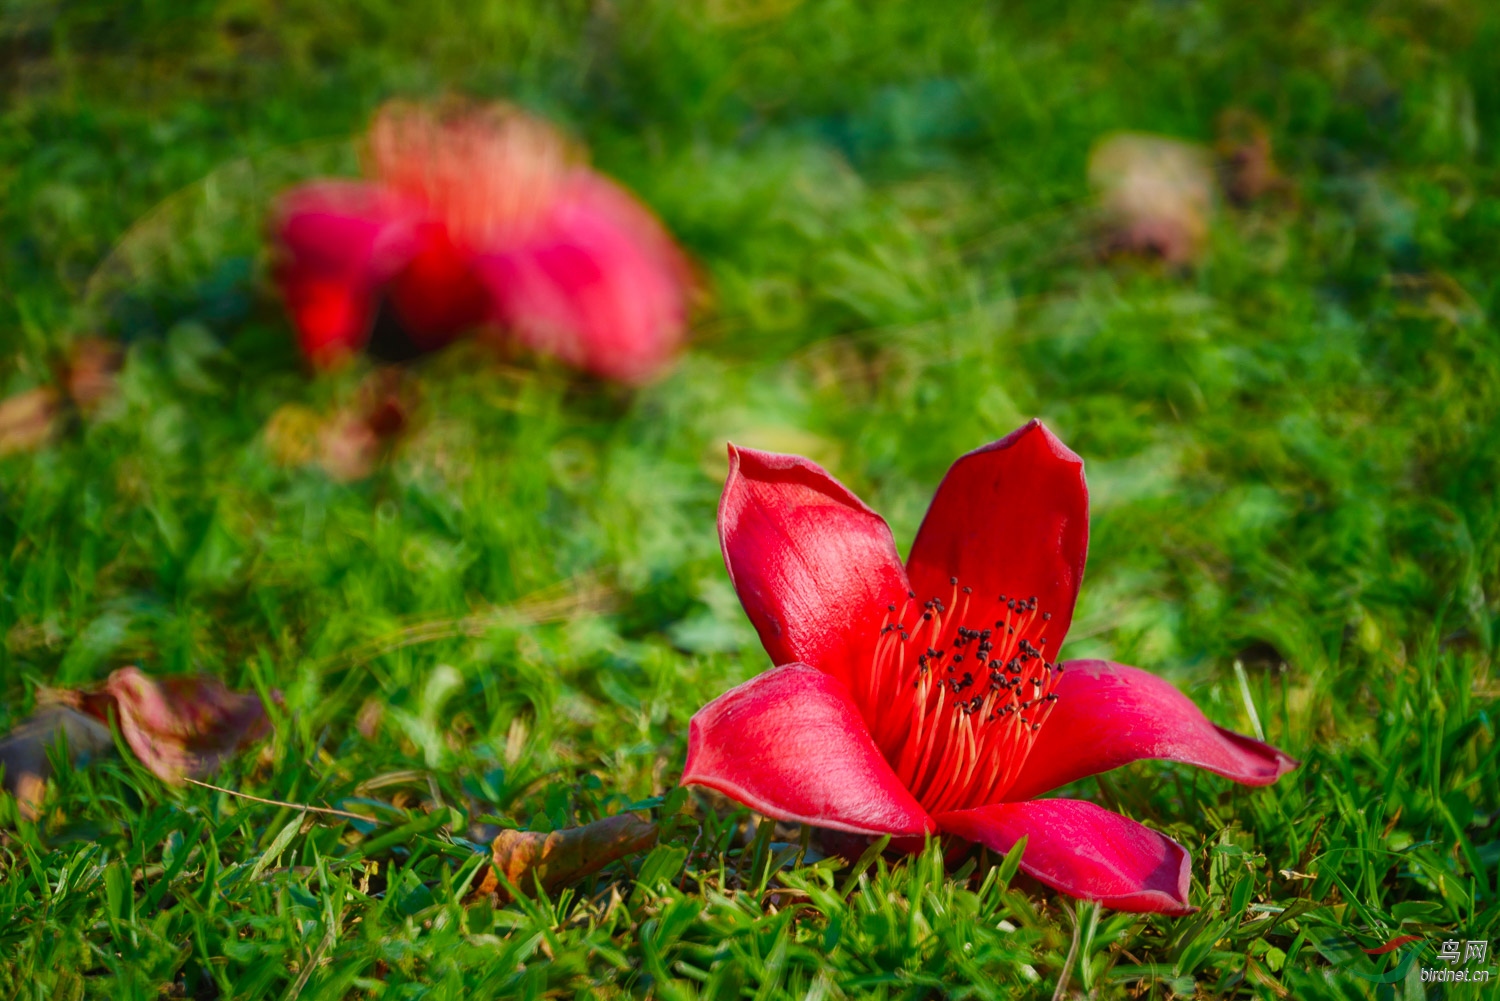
(955,708)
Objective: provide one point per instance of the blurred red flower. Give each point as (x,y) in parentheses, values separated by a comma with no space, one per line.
(481,218)
(924,698)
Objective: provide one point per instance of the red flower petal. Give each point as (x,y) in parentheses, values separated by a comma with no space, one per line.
(339,241)
(814,567)
(1108,715)
(1085,851)
(1010,518)
(790,744)
(599,285)
(438,295)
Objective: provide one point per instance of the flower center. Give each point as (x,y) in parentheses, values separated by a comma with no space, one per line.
(956,692)
(490,173)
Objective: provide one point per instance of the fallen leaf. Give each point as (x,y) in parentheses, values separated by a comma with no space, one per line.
(349,444)
(348,449)
(368,720)
(291,435)
(28,419)
(1244,147)
(562,857)
(89,373)
(23,751)
(385,403)
(85,377)
(178,727)
(1156,194)
(358,437)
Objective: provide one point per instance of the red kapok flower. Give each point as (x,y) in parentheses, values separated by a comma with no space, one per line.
(925,698)
(481,218)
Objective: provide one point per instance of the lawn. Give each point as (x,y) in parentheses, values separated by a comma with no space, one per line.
(1292,447)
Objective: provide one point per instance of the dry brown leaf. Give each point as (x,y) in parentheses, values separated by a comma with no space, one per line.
(348,450)
(178,727)
(28,419)
(88,374)
(562,857)
(349,444)
(291,435)
(368,720)
(1156,194)
(23,751)
(86,377)
(1249,169)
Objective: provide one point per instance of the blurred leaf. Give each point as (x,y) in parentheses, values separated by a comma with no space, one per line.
(24,751)
(179,728)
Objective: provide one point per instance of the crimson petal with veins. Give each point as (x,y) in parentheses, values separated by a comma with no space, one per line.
(1108,715)
(599,285)
(814,567)
(438,295)
(790,744)
(1085,851)
(340,240)
(1010,518)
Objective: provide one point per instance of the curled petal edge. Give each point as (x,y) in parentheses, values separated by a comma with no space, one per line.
(1084,851)
(1108,715)
(790,744)
(814,567)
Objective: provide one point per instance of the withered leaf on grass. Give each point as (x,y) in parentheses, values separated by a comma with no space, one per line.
(85,379)
(1156,193)
(23,751)
(1248,167)
(562,857)
(27,420)
(88,373)
(177,727)
(350,443)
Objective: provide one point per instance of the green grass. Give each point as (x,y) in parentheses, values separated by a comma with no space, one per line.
(1293,454)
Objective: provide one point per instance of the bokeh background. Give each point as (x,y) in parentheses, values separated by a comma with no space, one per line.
(1292,438)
